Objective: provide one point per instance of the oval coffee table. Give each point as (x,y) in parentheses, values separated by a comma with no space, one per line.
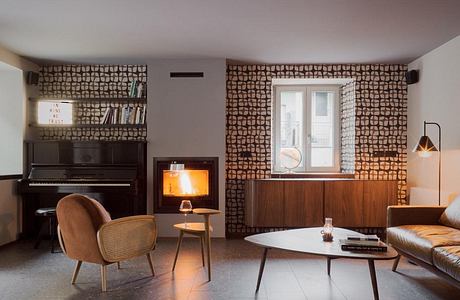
(309,240)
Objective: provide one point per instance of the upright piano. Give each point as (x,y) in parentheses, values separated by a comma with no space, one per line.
(113,173)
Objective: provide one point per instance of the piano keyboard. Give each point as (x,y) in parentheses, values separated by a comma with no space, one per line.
(76,184)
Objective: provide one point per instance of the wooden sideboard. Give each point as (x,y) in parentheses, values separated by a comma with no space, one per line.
(306,202)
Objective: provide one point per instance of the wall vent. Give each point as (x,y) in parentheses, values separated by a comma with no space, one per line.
(186,74)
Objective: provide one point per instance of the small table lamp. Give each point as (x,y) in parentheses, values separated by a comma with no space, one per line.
(425,147)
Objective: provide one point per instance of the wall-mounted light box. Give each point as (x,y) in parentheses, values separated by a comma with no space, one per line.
(55,113)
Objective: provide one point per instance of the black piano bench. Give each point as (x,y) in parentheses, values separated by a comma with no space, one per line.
(49,214)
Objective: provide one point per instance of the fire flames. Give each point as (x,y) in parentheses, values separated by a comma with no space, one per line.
(185,183)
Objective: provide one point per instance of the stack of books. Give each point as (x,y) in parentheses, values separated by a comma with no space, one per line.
(124,115)
(136,89)
(367,243)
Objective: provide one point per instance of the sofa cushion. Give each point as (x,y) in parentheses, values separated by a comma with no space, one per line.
(447,259)
(419,240)
(451,216)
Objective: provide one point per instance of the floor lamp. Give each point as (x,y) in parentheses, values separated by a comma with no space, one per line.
(425,147)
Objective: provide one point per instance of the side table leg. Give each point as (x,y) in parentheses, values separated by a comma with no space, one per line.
(261,268)
(328,266)
(181,234)
(373,278)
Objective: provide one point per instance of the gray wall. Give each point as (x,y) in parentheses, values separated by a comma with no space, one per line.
(10,209)
(11,119)
(186,117)
(436,98)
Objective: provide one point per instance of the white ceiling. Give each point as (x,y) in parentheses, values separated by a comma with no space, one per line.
(265,31)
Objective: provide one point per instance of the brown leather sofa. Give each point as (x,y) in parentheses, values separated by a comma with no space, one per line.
(428,236)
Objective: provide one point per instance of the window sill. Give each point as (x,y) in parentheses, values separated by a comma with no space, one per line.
(312,175)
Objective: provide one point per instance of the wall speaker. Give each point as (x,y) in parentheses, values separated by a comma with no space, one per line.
(412,76)
(32,78)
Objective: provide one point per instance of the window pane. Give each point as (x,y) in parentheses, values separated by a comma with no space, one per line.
(322,157)
(322,129)
(291,133)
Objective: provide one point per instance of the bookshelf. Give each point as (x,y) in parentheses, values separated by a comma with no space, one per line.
(107,112)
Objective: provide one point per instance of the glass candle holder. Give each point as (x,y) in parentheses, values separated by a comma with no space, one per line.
(327,230)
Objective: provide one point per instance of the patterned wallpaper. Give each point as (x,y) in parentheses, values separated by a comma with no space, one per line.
(380,121)
(347,128)
(91,81)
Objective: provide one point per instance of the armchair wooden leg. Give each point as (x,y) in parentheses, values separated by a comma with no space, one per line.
(149,258)
(75,272)
(395,263)
(181,234)
(118,265)
(202,249)
(104,278)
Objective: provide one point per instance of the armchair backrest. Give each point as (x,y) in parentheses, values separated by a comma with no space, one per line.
(79,219)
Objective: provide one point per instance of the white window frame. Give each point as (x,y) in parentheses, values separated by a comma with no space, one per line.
(306,119)
(276,113)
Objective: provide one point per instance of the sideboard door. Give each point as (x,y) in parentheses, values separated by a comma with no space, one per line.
(303,203)
(343,202)
(264,203)
(378,195)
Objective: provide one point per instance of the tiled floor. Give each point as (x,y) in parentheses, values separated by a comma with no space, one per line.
(37,274)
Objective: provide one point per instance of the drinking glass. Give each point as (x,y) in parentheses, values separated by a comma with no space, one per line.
(185,208)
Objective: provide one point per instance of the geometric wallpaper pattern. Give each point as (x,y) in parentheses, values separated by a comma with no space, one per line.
(347,128)
(380,124)
(92,81)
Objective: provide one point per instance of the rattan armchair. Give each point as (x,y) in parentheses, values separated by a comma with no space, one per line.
(87,234)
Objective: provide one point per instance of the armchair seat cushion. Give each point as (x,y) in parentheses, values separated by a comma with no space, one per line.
(419,240)
(447,259)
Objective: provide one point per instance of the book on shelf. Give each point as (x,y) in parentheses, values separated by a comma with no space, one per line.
(136,89)
(139,90)
(132,115)
(115,116)
(105,117)
(370,237)
(132,88)
(144,112)
(137,115)
(124,115)
(362,245)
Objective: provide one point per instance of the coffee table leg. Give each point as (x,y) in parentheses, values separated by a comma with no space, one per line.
(261,269)
(373,278)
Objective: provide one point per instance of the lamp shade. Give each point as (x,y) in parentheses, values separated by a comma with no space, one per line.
(425,145)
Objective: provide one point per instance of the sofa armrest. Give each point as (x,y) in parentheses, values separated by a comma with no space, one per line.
(398,215)
(126,238)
